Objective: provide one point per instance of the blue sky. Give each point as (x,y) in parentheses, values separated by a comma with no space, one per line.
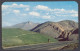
(38,12)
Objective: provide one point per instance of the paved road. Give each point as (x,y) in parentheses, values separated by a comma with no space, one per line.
(45,46)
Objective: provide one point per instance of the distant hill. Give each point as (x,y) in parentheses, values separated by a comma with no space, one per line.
(24,25)
(54,29)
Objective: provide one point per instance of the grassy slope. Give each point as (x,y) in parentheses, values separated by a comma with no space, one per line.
(14,37)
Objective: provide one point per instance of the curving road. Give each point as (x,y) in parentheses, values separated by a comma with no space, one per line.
(46,46)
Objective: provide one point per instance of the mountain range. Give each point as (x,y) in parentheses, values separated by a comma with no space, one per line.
(62,30)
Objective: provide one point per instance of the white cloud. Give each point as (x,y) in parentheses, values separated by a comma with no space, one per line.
(64,12)
(74,15)
(27,9)
(60,11)
(47,13)
(24,14)
(52,12)
(41,7)
(14,5)
(21,5)
(16,11)
(62,15)
(34,13)
(46,17)
(15,8)
(4,7)
(73,11)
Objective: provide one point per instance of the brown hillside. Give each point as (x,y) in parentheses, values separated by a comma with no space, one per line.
(56,29)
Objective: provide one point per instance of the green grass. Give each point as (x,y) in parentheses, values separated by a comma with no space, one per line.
(15,37)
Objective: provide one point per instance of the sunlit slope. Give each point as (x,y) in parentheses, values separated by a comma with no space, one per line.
(15,37)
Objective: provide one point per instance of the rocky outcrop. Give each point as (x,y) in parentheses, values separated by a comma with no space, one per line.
(69,35)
